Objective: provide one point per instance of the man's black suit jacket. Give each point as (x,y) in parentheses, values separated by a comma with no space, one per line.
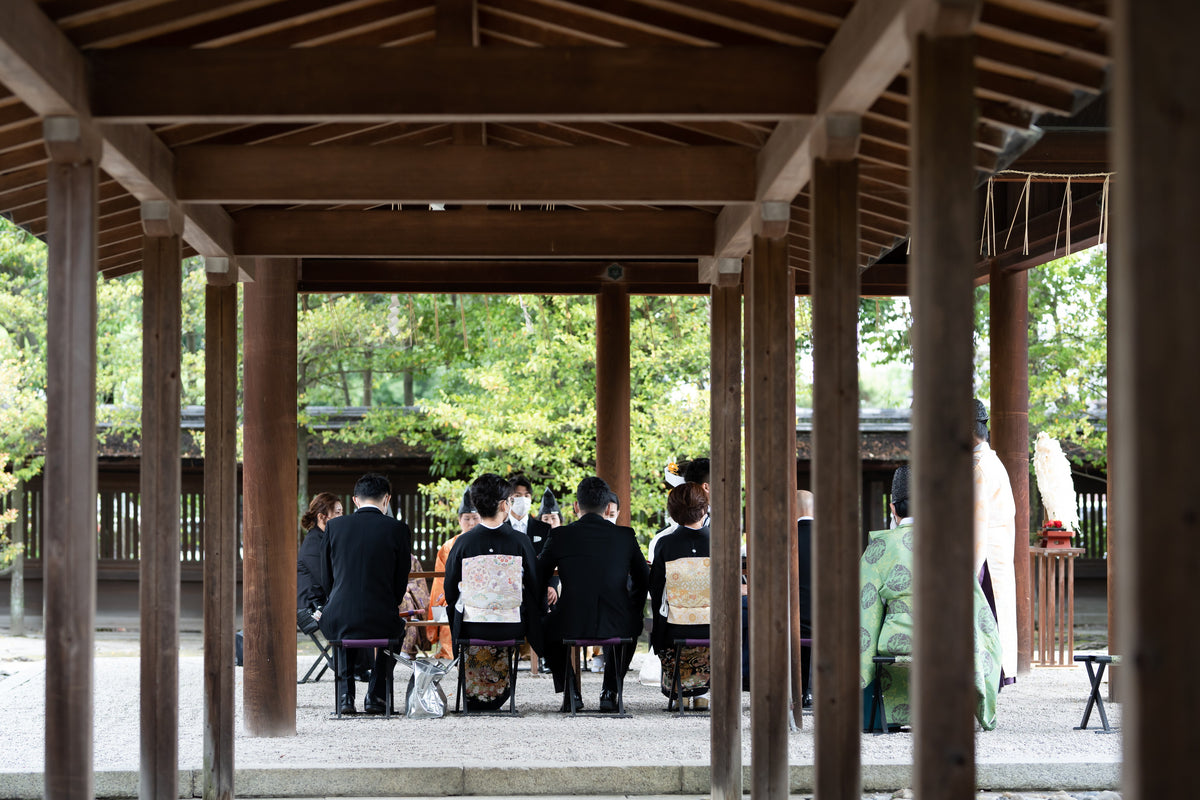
(365,575)
(804,554)
(604,579)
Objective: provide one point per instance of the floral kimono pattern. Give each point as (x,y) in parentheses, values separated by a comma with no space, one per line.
(416,598)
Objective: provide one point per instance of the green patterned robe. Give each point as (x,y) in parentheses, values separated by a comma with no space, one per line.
(886,602)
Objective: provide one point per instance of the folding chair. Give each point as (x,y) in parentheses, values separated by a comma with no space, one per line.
(323,660)
(460,654)
(1095,677)
(618,656)
(877,706)
(676,681)
(392,646)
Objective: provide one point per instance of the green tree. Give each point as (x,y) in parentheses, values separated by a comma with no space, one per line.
(1068,312)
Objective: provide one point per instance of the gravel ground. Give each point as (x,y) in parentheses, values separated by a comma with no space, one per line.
(1036,720)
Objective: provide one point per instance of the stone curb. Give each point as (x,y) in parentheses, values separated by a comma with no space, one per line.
(558,780)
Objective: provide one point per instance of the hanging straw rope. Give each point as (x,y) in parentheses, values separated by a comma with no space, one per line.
(1065,210)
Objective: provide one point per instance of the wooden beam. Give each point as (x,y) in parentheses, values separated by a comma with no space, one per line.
(726,496)
(475,233)
(451,84)
(70,476)
(41,66)
(220,537)
(1156,112)
(269,478)
(612,393)
(837,475)
(158,582)
(465,174)
(770,311)
(944,218)
(868,51)
(471,276)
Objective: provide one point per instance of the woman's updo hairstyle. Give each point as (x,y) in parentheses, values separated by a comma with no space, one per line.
(687,503)
(323,503)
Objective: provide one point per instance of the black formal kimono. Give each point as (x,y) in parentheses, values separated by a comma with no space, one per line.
(694,671)
(365,575)
(487,680)
(309,593)
(603,577)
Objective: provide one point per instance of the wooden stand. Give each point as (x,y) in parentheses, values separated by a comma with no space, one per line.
(1053,569)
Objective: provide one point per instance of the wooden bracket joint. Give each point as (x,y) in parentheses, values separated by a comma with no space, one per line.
(720,271)
(218,271)
(838,137)
(772,219)
(160,218)
(71,140)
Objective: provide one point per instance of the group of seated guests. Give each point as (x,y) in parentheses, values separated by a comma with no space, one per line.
(544,585)
(590,581)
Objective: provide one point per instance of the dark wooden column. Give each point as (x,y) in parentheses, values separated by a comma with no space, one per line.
(943,176)
(1009,299)
(771,313)
(837,470)
(69,558)
(269,481)
(220,528)
(1156,118)
(612,393)
(725,483)
(162,275)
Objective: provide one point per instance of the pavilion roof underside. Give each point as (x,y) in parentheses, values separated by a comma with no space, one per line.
(560,136)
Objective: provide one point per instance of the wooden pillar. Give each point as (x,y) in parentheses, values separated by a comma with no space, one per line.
(725,481)
(220,533)
(771,313)
(837,471)
(1009,298)
(943,181)
(269,480)
(162,276)
(69,546)
(612,393)
(1156,119)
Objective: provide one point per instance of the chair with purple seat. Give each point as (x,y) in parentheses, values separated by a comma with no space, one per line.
(474,654)
(390,646)
(619,645)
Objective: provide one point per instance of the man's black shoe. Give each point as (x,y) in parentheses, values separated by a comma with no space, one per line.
(346,706)
(806,700)
(566,704)
(375,708)
(608,702)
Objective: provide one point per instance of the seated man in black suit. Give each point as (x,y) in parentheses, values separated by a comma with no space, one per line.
(804,505)
(365,575)
(604,578)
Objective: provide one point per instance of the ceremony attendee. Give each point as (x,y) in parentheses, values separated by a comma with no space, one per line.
(439,635)
(549,512)
(995,541)
(503,599)
(518,515)
(695,471)
(365,575)
(804,525)
(686,615)
(604,578)
(416,598)
(310,597)
(886,603)
(612,508)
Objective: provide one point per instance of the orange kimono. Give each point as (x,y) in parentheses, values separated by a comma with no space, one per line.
(439,636)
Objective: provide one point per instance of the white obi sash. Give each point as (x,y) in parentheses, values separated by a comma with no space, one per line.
(490,589)
(686,600)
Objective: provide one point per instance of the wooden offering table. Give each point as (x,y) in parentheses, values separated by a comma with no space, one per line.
(1053,571)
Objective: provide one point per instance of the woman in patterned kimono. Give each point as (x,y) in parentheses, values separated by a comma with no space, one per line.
(416,598)
(492,593)
(683,612)
(886,602)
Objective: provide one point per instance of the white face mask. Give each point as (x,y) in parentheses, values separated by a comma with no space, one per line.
(520,506)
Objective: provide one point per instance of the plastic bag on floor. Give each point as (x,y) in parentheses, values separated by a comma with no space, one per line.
(424,698)
(651,671)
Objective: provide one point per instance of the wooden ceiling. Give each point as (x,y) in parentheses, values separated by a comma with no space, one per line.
(561,137)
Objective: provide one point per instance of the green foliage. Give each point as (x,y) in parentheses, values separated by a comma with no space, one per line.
(1068,312)
(508,385)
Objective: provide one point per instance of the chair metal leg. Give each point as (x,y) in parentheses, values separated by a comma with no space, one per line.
(677,680)
(513,660)
(460,688)
(619,655)
(338,657)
